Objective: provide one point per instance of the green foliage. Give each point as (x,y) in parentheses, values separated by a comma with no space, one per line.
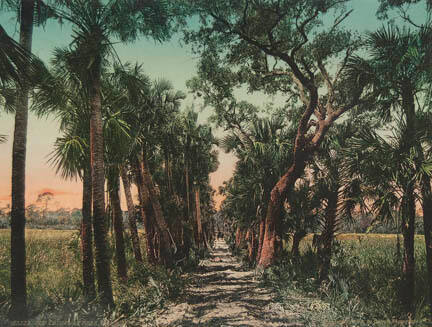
(364,281)
(54,282)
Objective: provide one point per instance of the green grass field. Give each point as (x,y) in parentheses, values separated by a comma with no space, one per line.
(54,279)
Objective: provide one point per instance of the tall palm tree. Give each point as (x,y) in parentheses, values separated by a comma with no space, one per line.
(61,94)
(399,69)
(389,178)
(95,23)
(124,89)
(337,193)
(29,12)
(71,159)
(199,161)
(18,310)
(153,116)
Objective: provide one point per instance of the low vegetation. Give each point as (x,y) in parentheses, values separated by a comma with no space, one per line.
(55,289)
(364,283)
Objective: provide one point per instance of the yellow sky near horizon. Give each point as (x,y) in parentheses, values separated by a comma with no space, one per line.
(41,177)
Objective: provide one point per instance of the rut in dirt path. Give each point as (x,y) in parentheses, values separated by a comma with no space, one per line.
(222,294)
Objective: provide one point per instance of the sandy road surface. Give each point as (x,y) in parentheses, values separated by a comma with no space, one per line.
(222,294)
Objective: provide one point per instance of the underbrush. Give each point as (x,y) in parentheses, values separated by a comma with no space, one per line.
(55,290)
(364,283)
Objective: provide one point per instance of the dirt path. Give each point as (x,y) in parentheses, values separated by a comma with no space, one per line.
(222,294)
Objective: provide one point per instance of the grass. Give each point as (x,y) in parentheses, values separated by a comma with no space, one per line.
(363,288)
(364,283)
(54,286)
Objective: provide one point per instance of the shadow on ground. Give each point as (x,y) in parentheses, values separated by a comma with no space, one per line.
(223,294)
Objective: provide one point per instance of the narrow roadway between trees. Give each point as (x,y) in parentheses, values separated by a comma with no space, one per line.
(222,294)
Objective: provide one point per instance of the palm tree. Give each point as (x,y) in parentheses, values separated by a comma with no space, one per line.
(302,212)
(71,159)
(131,214)
(62,94)
(400,71)
(337,193)
(160,105)
(389,178)
(18,310)
(118,88)
(113,190)
(199,161)
(125,89)
(18,64)
(95,23)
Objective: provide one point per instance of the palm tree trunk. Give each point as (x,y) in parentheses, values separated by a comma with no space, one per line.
(297,237)
(103,270)
(18,310)
(168,173)
(198,217)
(166,251)
(131,216)
(408,265)
(408,211)
(237,237)
(274,208)
(146,213)
(187,189)
(250,237)
(118,231)
(327,236)
(260,239)
(86,239)
(427,223)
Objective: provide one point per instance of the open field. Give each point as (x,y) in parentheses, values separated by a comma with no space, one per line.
(54,278)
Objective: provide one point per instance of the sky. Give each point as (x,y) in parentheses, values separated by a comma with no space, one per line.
(169,60)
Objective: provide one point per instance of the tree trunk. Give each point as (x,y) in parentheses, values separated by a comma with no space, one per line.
(274,208)
(260,239)
(427,223)
(327,235)
(187,189)
(250,237)
(131,216)
(87,238)
(199,239)
(168,174)
(237,237)
(98,188)
(118,231)
(408,265)
(146,214)
(18,309)
(297,237)
(166,250)
(408,204)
